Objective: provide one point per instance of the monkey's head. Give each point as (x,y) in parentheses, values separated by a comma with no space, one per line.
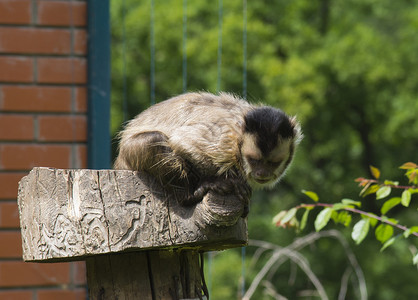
(268,145)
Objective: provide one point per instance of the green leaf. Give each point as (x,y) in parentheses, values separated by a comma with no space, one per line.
(373,221)
(409,231)
(383,192)
(375,172)
(342,217)
(311,195)
(349,201)
(406,198)
(383,232)
(413,191)
(388,243)
(389,204)
(389,182)
(279,217)
(360,230)
(304,219)
(369,190)
(323,218)
(289,215)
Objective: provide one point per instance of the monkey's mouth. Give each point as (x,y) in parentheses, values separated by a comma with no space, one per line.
(261,180)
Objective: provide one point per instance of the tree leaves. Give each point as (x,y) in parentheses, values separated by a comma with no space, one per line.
(311,195)
(375,172)
(383,232)
(389,204)
(406,198)
(343,212)
(360,230)
(383,192)
(323,218)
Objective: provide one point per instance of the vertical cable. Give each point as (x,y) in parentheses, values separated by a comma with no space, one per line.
(219,78)
(184,46)
(244,50)
(244,95)
(152,54)
(124,72)
(243,254)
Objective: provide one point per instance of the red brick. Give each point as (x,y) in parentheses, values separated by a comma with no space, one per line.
(16,69)
(27,156)
(9,215)
(11,244)
(15,12)
(76,294)
(16,295)
(16,127)
(62,128)
(19,273)
(35,40)
(35,99)
(81,99)
(62,70)
(80,42)
(78,272)
(62,13)
(9,184)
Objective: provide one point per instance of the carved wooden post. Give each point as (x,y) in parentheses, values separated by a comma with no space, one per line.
(137,242)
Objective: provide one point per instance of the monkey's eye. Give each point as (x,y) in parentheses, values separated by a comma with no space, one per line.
(253,161)
(275,164)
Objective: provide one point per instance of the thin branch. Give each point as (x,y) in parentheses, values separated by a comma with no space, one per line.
(279,255)
(360,212)
(344,284)
(282,254)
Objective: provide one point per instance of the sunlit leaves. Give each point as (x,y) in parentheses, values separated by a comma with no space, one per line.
(342,217)
(388,243)
(375,172)
(311,195)
(360,230)
(406,198)
(409,231)
(289,215)
(389,204)
(345,211)
(286,218)
(323,218)
(383,192)
(383,232)
(412,172)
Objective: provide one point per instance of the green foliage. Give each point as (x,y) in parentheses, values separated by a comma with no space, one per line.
(383,226)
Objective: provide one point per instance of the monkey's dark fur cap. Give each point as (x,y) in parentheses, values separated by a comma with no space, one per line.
(267,123)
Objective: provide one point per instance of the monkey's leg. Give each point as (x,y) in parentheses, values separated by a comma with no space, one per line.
(150,152)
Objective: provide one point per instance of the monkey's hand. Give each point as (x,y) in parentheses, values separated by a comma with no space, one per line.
(231,185)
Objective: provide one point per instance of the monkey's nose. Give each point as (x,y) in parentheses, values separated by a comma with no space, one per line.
(262,174)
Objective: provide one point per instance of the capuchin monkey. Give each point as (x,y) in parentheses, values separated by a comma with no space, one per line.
(199,142)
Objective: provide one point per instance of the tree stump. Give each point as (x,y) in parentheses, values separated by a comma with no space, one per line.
(137,241)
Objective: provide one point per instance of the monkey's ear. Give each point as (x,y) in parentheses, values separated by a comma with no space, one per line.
(296,129)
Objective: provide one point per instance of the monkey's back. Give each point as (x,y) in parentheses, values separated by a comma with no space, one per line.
(205,129)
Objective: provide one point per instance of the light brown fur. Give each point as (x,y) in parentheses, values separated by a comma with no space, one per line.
(197,136)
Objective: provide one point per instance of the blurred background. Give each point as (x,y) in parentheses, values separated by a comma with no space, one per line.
(347,69)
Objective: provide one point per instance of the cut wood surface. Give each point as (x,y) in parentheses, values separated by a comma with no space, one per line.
(72,214)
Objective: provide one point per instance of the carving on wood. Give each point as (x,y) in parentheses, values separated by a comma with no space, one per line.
(67,214)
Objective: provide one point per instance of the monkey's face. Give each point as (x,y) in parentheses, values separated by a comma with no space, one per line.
(265,169)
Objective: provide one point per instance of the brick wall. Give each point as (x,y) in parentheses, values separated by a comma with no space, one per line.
(43,122)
